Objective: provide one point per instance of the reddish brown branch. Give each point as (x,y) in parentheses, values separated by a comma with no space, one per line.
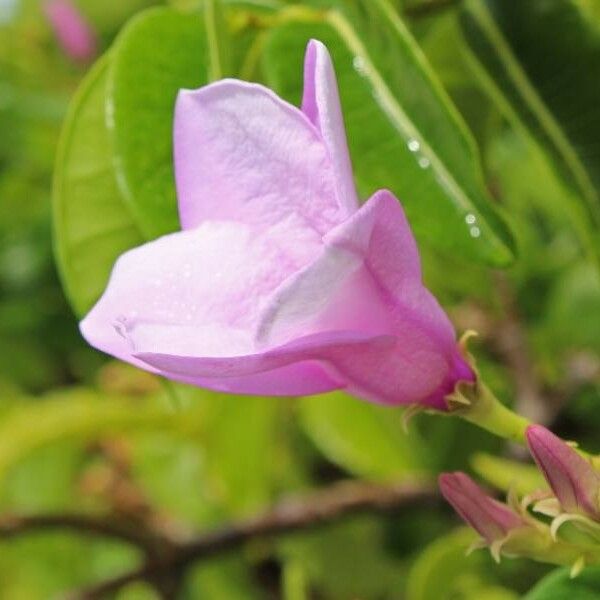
(322,507)
(11,526)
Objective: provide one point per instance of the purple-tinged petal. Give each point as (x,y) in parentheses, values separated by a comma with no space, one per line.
(493,520)
(208,284)
(575,483)
(74,33)
(243,154)
(321,104)
(370,269)
(147,346)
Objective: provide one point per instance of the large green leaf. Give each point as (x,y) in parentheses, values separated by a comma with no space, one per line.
(157,53)
(80,414)
(560,586)
(506,474)
(404,133)
(365,439)
(444,571)
(349,559)
(241,450)
(540,61)
(91,224)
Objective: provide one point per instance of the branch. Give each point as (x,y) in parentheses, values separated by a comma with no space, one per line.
(11,526)
(322,507)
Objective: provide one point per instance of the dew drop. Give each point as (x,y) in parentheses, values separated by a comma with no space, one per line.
(475,232)
(413,145)
(424,162)
(470,219)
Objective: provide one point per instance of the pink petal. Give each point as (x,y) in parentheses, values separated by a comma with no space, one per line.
(206,284)
(321,104)
(243,154)
(370,270)
(310,347)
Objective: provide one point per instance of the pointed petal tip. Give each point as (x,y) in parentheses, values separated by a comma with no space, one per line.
(315,45)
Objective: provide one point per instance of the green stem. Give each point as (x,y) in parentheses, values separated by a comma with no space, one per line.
(539,546)
(478,405)
(487,412)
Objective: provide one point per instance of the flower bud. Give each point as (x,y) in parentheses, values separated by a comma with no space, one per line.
(72,30)
(492,519)
(575,483)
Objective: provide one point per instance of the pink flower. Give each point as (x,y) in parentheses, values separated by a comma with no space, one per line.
(279,283)
(575,483)
(493,520)
(74,33)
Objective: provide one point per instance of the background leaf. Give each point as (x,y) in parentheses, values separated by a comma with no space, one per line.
(365,439)
(91,224)
(444,571)
(540,61)
(158,53)
(560,586)
(505,474)
(403,131)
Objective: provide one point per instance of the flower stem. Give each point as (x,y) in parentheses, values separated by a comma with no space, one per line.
(478,405)
(486,411)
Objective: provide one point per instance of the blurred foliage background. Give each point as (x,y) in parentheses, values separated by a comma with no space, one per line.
(506,96)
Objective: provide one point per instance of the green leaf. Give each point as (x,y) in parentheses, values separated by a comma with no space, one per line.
(559,586)
(573,315)
(217,36)
(241,450)
(166,467)
(540,61)
(158,53)
(365,439)
(91,224)
(81,414)
(294,581)
(506,474)
(443,571)
(439,564)
(404,133)
(350,559)
(228,578)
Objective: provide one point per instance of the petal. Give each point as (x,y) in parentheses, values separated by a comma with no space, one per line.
(298,379)
(370,270)
(309,348)
(207,284)
(299,368)
(243,154)
(321,104)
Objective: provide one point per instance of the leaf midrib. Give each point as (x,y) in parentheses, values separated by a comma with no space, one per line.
(402,122)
